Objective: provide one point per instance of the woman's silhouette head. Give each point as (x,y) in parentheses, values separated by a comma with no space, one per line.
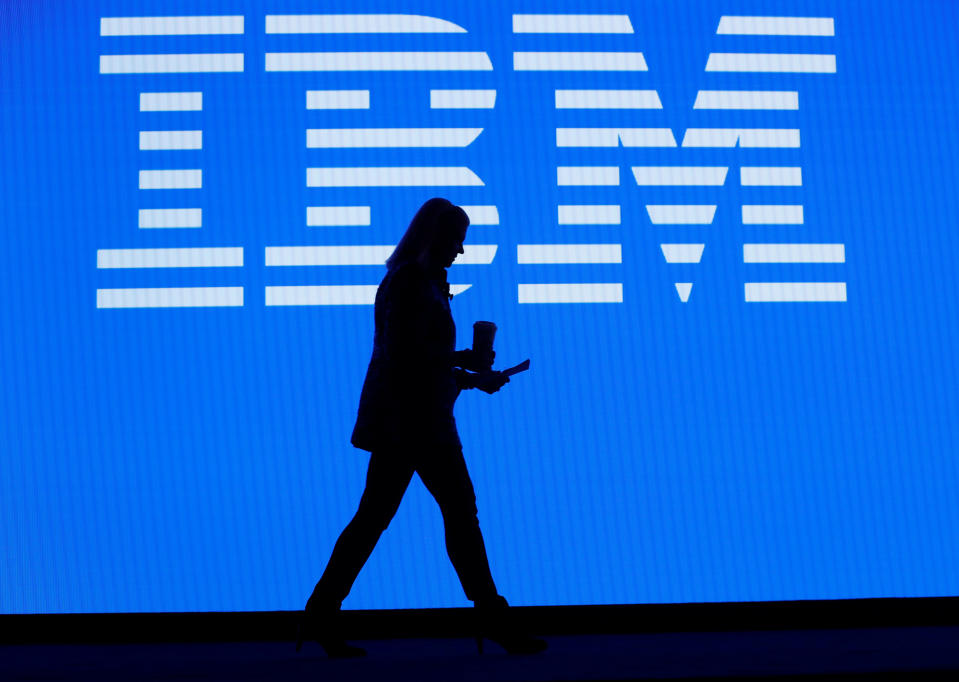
(434,236)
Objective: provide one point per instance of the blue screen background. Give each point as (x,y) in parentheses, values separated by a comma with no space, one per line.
(198,459)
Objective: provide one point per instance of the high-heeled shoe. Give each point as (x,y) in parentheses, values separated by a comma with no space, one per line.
(319,629)
(495,625)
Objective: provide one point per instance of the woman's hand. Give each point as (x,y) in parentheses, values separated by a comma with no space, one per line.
(490,382)
(473,360)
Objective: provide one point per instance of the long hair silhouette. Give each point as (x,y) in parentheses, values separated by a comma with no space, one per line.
(421,233)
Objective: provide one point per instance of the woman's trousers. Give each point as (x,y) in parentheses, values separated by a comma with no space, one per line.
(443,472)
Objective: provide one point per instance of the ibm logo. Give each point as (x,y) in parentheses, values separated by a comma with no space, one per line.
(550,65)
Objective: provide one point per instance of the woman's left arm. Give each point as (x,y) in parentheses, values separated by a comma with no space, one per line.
(464,380)
(471,360)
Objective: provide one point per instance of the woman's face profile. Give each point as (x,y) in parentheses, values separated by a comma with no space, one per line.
(448,245)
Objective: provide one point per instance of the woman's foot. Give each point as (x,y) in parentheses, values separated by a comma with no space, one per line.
(495,623)
(322,626)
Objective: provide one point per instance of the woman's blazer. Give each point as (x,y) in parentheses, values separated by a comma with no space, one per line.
(411,383)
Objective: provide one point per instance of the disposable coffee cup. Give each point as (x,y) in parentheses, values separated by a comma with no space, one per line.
(483,333)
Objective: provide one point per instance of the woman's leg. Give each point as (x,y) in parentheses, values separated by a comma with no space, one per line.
(387,478)
(444,474)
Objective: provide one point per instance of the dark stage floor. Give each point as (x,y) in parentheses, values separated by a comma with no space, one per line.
(875,653)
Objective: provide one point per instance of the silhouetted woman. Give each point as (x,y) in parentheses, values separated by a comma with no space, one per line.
(405,420)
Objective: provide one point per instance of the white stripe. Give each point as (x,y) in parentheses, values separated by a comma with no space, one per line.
(772,214)
(587,175)
(354,138)
(378,61)
(604,214)
(337,99)
(171,179)
(593,292)
(710,137)
(776,26)
(794,253)
(171,101)
(770,176)
(393,176)
(614,137)
(215,257)
(462,99)
(358,23)
(171,297)
(170,217)
(647,137)
(747,99)
(682,253)
(170,26)
(474,254)
(337,215)
(681,214)
(482,215)
(170,139)
(542,254)
(327,255)
(579,61)
(680,175)
(343,294)
(795,292)
(746,137)
(608,99)
(771,63)
(171,63)
(571,23)
(769,137)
